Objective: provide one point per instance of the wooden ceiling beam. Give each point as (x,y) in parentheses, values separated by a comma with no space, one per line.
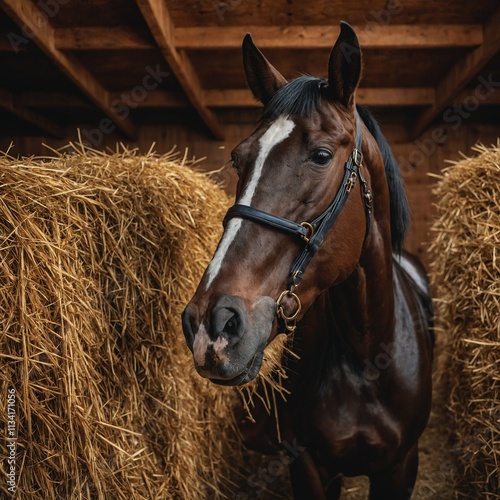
(50,100)
(59,100)
(377,97)
(400,36)
(273,37)
(462,73)
(395,97)
(33,21)
(157,17)
(229,98)
(101,38)
(238,98)
(163,99)
(7,102)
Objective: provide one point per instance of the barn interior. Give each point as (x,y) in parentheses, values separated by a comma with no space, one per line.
(154,74)
(170,72)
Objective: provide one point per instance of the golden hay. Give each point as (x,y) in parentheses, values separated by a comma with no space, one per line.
(466,280)
(99,255)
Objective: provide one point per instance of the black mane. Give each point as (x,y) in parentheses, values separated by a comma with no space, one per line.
(302,97)
(400,210)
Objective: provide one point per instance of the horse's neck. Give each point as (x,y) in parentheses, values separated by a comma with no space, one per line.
(363,307)
(352,320)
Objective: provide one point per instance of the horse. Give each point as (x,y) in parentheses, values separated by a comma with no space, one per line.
(313,248)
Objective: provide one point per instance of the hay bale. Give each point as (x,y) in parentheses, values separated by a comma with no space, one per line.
(99,255)
(466,281)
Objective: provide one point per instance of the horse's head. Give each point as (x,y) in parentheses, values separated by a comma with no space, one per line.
(300,158)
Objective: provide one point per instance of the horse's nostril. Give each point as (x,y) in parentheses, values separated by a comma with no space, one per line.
(228,319)
(189,320)
(231,328)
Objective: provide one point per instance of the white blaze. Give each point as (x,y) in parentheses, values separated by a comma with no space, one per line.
(276,133)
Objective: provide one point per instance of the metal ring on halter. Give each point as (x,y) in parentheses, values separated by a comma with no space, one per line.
(289,321)
(310,231)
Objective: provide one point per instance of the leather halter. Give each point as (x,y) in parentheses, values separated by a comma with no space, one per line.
(311,233)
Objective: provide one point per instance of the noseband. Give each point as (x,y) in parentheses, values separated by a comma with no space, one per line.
(311,233)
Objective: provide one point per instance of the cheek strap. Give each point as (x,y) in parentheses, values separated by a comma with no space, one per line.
(311,233)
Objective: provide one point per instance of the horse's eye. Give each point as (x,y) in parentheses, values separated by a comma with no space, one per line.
(321,156)
(235,161)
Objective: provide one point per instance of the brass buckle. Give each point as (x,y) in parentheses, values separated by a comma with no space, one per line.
(289,321)
(369,198)
(309,231)
(351,181)
(357,157)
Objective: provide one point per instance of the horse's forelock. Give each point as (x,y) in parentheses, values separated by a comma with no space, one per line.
(300,97)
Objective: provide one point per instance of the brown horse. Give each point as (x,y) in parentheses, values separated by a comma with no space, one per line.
(313,248)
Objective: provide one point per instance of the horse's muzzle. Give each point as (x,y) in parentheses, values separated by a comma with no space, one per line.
(228,338)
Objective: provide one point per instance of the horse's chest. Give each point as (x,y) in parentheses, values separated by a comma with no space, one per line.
(353,437)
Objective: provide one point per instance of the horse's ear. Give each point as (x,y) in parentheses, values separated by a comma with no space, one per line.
(263,79)
(344,66)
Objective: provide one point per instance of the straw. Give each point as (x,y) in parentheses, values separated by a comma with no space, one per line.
(99,255)
(466,281)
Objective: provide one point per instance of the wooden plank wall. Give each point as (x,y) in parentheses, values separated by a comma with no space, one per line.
(429,157)
(417,158)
